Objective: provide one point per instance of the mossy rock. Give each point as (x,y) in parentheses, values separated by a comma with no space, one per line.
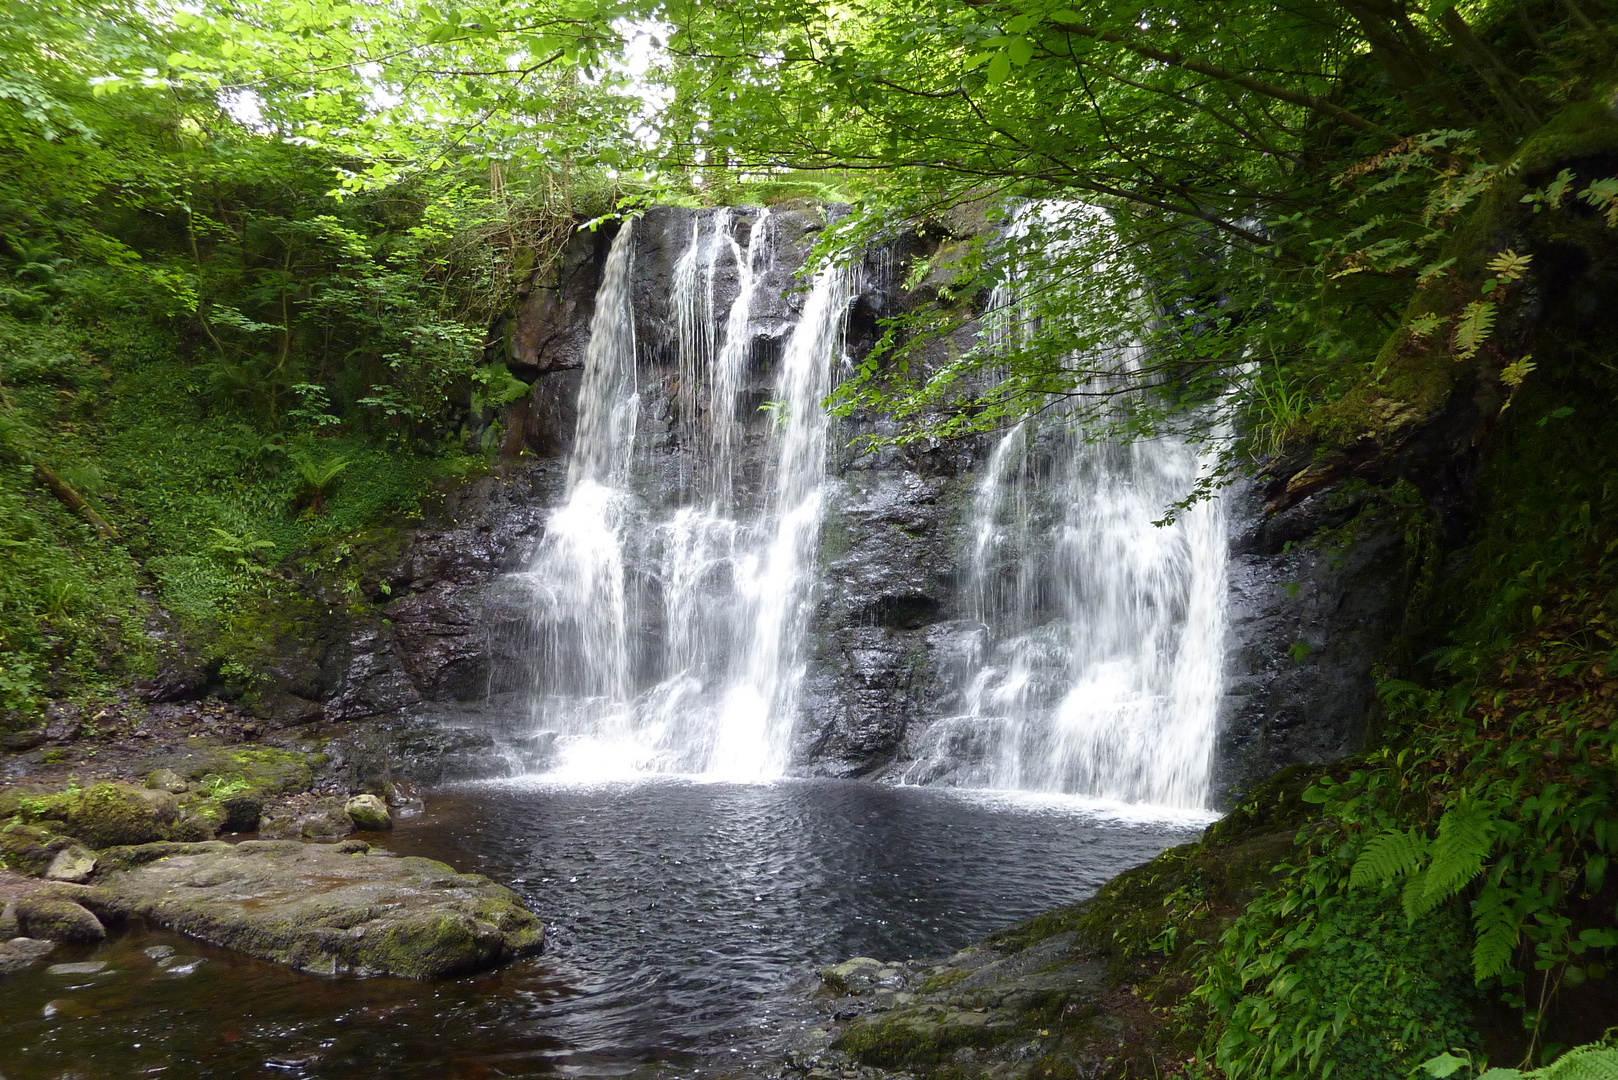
(54,918)
(30,849)
(229,787)
(319,908)
(917,1038)
(111,814)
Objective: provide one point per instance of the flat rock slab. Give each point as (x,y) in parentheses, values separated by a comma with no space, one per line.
(327,909)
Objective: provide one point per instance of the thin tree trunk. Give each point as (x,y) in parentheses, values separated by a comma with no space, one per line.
(74,501)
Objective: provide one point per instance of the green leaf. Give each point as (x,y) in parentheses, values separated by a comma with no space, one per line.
(999,68)
(1021,51)
(1477,322)
(1498,927)
(1444,1065)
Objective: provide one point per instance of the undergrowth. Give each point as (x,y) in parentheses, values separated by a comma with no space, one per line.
(1449,898)
(207,504)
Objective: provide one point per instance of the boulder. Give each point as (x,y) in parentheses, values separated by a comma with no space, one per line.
(111,814)
(73,863)
(56,919)
(322,819)
(21,953)
(311,907)
(166,780)
(240,812)
(30,849)
(368,813)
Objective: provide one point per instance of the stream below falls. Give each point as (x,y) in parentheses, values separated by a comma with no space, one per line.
(686,922)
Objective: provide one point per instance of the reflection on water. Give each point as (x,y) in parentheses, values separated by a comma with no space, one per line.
(682,918)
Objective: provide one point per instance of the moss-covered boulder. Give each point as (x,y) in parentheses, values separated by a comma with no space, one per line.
(39,852)
(54,918)
(318,907)
(109,814)
(317,819)
(368,813)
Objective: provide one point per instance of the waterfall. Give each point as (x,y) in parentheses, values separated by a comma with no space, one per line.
(732,577)
(671,618)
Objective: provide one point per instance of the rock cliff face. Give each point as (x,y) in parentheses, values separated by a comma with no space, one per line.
(1314,592)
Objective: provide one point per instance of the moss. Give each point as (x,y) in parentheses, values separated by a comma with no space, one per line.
(942,981)
(430,946)
(29,849)
(914,1039)
(110,814)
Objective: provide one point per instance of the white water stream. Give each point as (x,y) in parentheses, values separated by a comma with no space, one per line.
(716,693)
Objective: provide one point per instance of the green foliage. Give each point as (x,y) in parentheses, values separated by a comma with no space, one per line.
(206,500)
(1316,982)
(1595,1061)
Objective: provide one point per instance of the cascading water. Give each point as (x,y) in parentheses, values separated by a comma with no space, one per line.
(716,692)
(1098,663)
(1098,659)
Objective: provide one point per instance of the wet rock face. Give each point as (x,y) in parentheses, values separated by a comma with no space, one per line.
(1316,594)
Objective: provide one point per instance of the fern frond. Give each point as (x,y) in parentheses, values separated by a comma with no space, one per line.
(1465,838)
(1388,857)
(1477,323)
(1593,1061)
(1510,266)
(1603,195)
(1498,929)
(1412,898)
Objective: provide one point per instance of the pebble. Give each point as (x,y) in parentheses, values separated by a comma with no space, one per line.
(159,952)
(88,967)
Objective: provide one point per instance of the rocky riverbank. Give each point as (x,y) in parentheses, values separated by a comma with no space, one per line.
(130,837)
(1096,990)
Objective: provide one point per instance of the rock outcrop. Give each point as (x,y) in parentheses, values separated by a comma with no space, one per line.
(333,909)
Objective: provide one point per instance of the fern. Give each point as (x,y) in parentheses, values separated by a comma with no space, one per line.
(1465,837)
(1498,929)
(1387,858)
(1603,195)
(1477,322)
(1414,896)
(1509,265)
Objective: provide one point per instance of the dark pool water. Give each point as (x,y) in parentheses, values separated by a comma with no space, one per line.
(685,919)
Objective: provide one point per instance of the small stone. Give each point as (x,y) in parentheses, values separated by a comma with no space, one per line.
(368,813)
(87,967)
(166,780)
(180,966)
(21,953)
(74,864)
(159,952)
